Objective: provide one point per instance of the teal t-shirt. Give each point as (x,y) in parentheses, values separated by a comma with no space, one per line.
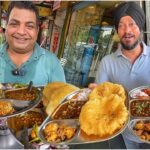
(41,68)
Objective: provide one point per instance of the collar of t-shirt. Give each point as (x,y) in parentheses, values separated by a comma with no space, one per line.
(145,51)
(37,53)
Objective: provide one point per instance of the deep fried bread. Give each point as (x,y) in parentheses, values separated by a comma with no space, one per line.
(106,89)
(54,93)
(103,116)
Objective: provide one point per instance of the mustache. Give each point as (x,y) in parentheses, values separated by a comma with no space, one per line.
(128,35)
(21,37)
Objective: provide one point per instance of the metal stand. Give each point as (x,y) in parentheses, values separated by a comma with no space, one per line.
(7,140)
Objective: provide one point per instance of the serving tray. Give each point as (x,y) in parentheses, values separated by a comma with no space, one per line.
(81,137)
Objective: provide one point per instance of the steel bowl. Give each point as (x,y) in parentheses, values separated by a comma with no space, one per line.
(136,93)
(69,122)
(131,126)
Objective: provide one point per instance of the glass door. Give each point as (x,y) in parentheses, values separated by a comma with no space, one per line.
(88,40)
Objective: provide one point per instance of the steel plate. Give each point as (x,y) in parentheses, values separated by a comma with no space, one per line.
(81,137)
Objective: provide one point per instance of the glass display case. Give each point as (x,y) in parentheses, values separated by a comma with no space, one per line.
(88,40)
(104,47)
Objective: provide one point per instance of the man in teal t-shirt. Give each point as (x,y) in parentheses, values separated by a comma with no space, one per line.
(21,59)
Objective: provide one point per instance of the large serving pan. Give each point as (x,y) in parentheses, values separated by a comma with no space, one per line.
(22,105)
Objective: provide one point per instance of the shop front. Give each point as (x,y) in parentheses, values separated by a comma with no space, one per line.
(90,37)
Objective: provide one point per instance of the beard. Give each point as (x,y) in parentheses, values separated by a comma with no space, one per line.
(130,47)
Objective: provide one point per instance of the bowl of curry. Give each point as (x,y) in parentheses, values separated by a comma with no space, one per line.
(139,108)
(21,94)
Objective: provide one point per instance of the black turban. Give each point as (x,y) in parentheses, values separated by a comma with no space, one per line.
(130,9)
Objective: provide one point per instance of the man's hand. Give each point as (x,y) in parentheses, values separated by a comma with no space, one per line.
(92,86)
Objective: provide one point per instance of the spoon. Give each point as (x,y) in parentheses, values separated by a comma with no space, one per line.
(30,86)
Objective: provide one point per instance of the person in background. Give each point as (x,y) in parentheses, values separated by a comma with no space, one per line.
(129,65)
(21,58)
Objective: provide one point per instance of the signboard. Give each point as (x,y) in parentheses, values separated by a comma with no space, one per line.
(43,11)
(55,39)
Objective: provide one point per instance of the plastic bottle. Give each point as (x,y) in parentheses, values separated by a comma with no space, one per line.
(86,64)
(87,59)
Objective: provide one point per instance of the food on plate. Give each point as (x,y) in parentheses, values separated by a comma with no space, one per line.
(68,110)
(81,95)
(71,108)
(107,89)
(103,116)
(33,136)
(54,93)
(5,108)
(18,85)
(142,129)
(140,108)
(140,93)
(27,119)
(21,94)
(147,91)
(55,132)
